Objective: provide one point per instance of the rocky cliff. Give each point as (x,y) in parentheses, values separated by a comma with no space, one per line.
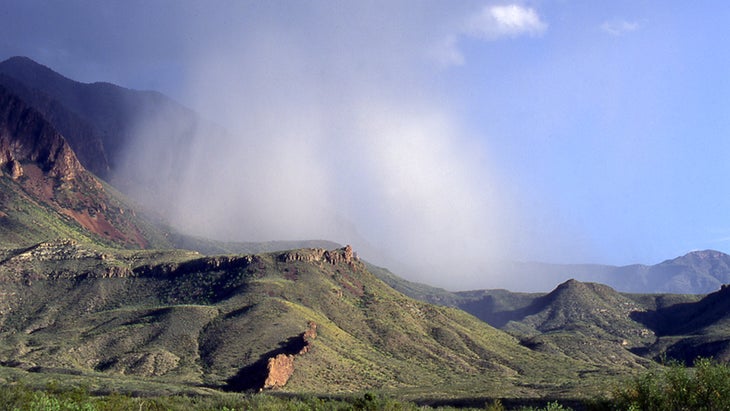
(43,175)
(26,137)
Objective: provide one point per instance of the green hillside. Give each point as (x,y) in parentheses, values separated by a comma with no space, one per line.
(212,322)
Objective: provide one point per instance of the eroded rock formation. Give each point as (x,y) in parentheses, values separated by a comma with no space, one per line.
(308,255)
(281,367)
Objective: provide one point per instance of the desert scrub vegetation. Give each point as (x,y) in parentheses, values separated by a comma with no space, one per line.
(705,386)
(23,398)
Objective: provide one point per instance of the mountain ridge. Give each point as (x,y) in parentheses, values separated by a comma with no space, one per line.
(42,178)
(213,322)
(112,128)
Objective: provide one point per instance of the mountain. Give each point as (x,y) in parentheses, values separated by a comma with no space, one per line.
(691,329)
(82,136)
(595,323)
(46,193)
(584,320)
(218,322)
(698,272)
(114,131)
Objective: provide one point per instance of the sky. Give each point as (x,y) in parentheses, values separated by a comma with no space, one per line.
(446,135)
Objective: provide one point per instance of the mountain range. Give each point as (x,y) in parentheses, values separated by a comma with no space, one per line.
(697,272)
(98,290)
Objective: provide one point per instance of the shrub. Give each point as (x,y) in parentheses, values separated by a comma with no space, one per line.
(706,386)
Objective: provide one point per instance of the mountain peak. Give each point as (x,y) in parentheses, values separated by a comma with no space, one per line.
(18,60)
(30,71)
(569,285)
(705,254)
(700,257)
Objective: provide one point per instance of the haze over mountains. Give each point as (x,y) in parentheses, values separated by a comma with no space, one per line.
(697,272)
(103,293)
(114,133)
(260,186)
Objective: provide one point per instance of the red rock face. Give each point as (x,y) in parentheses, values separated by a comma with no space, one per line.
(280,368)
(308,336)
(35,155)
(25,136)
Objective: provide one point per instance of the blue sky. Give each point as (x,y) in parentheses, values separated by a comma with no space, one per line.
(562,131)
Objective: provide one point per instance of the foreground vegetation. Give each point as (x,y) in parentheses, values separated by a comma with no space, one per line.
(705,386)
(22,398)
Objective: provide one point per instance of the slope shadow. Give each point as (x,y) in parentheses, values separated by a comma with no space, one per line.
(687,318)
(253,376)
(484,309)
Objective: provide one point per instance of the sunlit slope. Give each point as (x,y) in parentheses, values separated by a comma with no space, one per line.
(586,320)
(182,318)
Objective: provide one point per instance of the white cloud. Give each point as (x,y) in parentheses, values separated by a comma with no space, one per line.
(489,23)
(619,27)
(493,22)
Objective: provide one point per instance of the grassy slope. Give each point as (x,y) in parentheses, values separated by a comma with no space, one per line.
(177,318)
(595,323)
(25,221)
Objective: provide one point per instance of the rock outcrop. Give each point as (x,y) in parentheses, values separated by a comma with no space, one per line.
(308,255)
(281,367)
(308,337)
(25,136)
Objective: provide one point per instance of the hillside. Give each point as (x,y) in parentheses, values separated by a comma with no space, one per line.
(690,329)
(595,323)
(177,317)
(46,193)
(100,119)
(114,131)
(584,320)
(598,324)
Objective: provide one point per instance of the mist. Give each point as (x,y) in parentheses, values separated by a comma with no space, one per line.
(330,128)
(435,137)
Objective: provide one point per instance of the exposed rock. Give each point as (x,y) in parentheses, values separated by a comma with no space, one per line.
(343,255)
(308,336)
(308,255)
(117,272)
(281,367)
(279,370)
(196,265)
(64,249)
(15,169)
(26,136)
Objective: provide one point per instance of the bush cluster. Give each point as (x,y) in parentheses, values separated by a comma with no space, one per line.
(21,398)
(706,386)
